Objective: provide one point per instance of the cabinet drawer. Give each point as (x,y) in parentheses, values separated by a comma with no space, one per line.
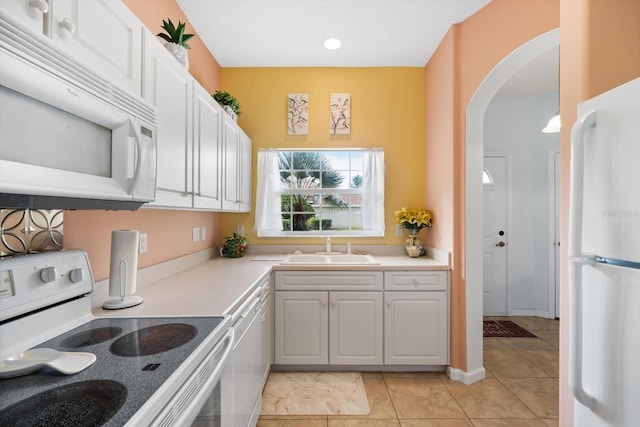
(329,280)
(416,280)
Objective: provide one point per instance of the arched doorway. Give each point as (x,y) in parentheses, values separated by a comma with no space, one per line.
(474,190)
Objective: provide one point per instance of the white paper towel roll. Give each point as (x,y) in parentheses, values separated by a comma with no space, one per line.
(124,263)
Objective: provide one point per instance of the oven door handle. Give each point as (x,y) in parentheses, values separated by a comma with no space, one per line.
(184,409)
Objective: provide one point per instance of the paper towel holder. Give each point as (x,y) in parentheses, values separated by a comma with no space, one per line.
(124,301)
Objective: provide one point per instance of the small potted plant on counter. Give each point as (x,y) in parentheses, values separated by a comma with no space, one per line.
(234,246)
(176,41)
(229,103)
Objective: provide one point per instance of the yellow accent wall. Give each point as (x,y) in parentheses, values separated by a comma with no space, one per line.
(387,111)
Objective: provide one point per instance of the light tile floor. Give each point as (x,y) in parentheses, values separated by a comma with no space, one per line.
(520,390)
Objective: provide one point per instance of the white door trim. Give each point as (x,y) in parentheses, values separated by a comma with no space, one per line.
(553,211)
(474,151)
(508,159)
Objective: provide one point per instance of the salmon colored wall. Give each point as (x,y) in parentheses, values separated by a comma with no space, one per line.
(600,49)
(387,111)
(202,65)
(169,232)
(468,53)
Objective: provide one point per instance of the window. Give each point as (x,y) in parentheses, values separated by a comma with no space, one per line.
(320,192)
(486,178)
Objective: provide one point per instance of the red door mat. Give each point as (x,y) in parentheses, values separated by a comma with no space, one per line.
(503,329)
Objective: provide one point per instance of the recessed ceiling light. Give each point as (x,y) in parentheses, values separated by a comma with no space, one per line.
(332,43)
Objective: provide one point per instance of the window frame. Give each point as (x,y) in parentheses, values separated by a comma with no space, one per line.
(323,192)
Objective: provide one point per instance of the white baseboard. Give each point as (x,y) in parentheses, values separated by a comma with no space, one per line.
(465,377)
(533,312)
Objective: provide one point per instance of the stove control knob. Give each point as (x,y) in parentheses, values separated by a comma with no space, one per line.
(76,275)
(48,274)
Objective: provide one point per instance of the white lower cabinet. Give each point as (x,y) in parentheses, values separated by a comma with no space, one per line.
(355,328)
(302,328)
(319,328)
(416,318)
(415,328)
(404,322)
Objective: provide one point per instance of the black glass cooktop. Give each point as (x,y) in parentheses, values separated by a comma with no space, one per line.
(135,356)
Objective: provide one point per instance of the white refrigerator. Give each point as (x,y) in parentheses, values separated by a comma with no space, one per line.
(604,260)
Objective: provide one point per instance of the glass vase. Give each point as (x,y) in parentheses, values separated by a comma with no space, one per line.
(414,245)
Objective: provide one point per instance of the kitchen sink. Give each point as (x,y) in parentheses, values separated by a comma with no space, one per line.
(334,259)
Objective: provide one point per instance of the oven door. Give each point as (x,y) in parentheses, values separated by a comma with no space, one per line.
(218,408)
(205,399)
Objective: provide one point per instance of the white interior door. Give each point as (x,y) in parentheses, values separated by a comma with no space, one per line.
(495,235)
(556,228)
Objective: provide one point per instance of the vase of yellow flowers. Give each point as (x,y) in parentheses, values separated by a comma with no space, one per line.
(414,220)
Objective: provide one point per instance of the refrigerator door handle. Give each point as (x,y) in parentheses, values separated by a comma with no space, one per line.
(575,330)
(577,181)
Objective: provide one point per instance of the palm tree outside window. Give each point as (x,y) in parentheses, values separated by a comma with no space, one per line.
(320,192)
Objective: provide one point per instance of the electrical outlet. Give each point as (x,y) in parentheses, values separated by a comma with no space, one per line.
(240,229)
(196,234)
(142,243)
(398,230)
(203,233)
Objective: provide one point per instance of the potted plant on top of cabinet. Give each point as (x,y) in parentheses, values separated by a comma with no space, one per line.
(229,103)
(176,41)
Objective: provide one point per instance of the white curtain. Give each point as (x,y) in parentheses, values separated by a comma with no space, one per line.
(269,192)
(373,191)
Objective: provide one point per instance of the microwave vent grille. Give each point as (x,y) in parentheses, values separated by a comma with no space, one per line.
(42,52)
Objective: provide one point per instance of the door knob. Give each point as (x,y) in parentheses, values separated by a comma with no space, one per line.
(501,244)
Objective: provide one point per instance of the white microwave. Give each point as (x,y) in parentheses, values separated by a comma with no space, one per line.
(69,138)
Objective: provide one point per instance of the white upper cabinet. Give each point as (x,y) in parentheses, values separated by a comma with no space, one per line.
(245,173)
(207,120)
(169,87)
(105,34)
(236,167)
(30,13)
(231,164)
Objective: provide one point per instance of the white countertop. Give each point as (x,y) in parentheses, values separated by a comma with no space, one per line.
(218,286)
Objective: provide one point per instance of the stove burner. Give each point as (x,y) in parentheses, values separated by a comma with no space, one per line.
(153,340)
(91,337)
(77,404)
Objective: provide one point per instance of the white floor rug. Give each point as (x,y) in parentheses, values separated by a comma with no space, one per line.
(313,393)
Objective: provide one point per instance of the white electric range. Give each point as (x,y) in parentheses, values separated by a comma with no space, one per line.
(148,370)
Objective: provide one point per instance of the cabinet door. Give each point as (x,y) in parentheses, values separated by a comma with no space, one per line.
(245,172)
(355,328)
(230,156)
(29,15)
(105,34)
(207,118)
(169,87)
(416,330)
(302,325)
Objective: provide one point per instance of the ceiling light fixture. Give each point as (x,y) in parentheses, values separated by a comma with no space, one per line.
(553,126)
(332,43)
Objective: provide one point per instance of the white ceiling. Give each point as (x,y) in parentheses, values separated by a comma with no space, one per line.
(289,33)
(374,33)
